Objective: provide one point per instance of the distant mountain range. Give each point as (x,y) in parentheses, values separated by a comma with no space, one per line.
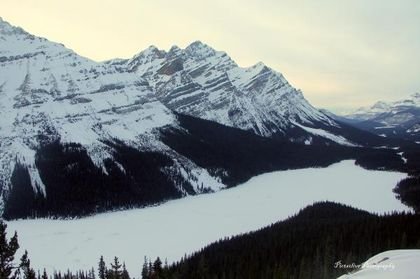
(400,119)
(78,136)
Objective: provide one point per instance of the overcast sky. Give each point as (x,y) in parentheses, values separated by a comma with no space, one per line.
(342,54)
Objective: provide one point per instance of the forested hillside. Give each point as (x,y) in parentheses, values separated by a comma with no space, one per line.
(307,245)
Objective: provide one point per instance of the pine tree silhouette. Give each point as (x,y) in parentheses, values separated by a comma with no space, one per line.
(102,268)
(7,253)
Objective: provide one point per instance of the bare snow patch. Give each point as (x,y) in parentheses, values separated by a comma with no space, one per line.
(402,157)
(322,133)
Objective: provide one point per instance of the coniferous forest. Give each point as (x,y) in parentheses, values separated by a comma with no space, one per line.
(408,192)
(307,245)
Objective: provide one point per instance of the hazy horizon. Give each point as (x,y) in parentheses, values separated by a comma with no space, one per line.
(341,55)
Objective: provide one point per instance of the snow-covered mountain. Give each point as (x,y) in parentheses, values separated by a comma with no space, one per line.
(205,83)
(365,113)
(78,136)
(394,119)
(49,93)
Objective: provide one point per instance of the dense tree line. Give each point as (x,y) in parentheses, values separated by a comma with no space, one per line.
(411,151)
(306,245)
(408,192)
(75,186)
(243,154)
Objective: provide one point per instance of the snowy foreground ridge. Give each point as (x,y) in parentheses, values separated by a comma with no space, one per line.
(394,264)
(183,226)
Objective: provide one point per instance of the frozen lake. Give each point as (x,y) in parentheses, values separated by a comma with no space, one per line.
(182,226)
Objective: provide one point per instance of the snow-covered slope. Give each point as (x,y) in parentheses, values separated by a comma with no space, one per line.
(396,119)
(369,113)
(184,226)
(393,264)
(48,90)
(205,83)
(366,113)
(49,93)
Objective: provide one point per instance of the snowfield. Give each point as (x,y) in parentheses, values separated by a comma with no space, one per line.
(182,226)
(394,264)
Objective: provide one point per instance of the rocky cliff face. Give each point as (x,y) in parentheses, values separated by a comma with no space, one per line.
(205,83)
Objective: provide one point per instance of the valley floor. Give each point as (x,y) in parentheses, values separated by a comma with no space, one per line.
(182,226)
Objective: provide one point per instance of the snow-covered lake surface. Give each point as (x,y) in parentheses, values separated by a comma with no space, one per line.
(182,226)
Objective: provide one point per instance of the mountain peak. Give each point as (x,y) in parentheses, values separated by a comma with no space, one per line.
(149,54)
(259,66)
(174,48)
(200,50)
(197,44)
(152,50)
(8,29)
(415,95)
(380,105)
(4,24)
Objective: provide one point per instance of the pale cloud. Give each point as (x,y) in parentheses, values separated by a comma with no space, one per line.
(340,53)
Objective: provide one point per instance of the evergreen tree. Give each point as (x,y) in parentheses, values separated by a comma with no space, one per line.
(124,274)
(116,269)
(157,268)
(44,275)
(202,269)
(92,274)
(145,272)
(25,265)
(150,268)
(7,252)
(102,268)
